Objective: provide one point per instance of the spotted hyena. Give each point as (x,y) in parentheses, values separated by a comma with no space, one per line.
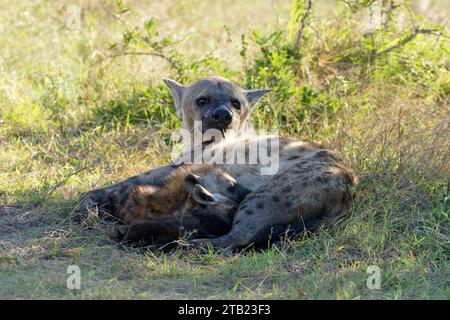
(312,182)
(199,200)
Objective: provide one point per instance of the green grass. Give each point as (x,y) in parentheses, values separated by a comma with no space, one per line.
(72,120)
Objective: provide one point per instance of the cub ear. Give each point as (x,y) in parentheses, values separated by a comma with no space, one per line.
(254,95)
(190,181)
(203,196)
(177,91)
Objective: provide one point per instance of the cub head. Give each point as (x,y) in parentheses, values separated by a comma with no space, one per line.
(214,103)
(218,191)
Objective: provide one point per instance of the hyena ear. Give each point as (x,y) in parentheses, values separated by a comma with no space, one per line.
(190,181)
(203,196)
(254,95)
(177,90)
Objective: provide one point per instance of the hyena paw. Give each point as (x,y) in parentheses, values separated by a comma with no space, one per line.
(117,232)
(199,244)
(88,206)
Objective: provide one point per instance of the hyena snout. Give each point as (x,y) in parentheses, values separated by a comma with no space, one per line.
(222,117)
(219,117)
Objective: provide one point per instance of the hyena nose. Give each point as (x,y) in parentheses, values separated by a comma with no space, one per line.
(222,116)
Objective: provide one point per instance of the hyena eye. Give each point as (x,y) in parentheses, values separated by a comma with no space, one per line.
(201,101)
(236,104)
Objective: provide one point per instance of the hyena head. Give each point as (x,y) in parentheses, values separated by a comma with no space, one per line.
(215,103)
(217,191)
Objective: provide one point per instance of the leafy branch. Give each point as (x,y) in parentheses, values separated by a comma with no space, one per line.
(133,39)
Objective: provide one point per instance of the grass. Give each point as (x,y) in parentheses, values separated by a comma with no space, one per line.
(72,120)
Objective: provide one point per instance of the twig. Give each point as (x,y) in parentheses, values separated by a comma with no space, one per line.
(172,63)
(302,25)
(112,14)
(139,53)
(405,40)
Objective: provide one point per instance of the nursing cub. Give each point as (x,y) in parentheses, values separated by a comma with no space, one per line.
(194,201)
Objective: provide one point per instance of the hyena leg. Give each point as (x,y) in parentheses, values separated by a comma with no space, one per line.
(235,238)
(166,229)
(154,231)
(103,199)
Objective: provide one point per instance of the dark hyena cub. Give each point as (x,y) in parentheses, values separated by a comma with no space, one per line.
(198,199)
